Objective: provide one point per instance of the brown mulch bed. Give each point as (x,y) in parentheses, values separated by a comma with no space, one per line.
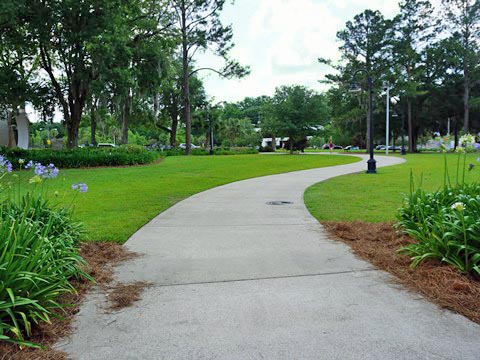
(440,283)
(101,259)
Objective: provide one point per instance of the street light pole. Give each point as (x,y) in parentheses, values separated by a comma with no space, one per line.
(371,163)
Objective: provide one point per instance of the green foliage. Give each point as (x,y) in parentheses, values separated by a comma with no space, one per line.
(445,226)
(38,257)
(299,111)
(445,223)
(217,151)
(86,157)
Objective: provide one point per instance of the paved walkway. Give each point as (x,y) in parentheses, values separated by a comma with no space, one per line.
(235,278)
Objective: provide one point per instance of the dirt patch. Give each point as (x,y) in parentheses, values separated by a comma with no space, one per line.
(125,295)
(440,283)
(101,259)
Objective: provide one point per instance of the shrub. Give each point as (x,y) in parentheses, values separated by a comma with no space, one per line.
(36,267)
(444,223)
(217,151)
(266,149)
(38,255)
(87,157)
(445,226)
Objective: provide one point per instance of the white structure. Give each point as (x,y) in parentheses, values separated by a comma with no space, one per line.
(18,138)
(278,142)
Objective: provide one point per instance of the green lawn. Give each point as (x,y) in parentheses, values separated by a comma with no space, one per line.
(120,200)
(376,198)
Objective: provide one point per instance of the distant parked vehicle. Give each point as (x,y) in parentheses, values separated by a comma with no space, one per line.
(335,147)
(184,146)
(106,145)
(351,147)
(381,147)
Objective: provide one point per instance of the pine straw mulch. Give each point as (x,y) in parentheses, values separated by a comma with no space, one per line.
(439,283)
(125,295)
(101,259)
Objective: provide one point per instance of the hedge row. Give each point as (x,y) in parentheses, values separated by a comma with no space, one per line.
(87,157)
(218,151)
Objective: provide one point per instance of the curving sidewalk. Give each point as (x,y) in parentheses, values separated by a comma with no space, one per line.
(236,278)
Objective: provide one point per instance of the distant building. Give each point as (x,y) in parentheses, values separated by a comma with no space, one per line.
(278,142)
(14,130)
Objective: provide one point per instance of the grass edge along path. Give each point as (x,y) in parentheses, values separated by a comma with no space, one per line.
(368,230)
(377,197)
(120,201)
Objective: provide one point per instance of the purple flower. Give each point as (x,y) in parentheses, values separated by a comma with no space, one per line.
(5,165)
(45,172)
(81,187)
(30,164)
(477,146)
(478,159)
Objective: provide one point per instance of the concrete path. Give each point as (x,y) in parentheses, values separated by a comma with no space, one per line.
(235,278)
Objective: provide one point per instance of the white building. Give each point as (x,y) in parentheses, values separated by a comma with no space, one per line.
(14,132)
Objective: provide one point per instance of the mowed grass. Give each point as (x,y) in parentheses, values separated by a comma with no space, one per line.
(121,200)
(377,197)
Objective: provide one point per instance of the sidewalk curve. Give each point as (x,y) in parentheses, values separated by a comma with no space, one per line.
(236,278)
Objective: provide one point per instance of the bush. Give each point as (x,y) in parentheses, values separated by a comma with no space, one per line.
(445,226)
(87,157)
(266,149)
(37,261)
(217,151)
(38,254)
(444,223)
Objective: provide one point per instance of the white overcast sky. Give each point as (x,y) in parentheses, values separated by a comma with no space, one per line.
(281,40)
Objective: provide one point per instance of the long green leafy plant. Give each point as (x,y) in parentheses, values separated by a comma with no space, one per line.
(38,254)
(445,224)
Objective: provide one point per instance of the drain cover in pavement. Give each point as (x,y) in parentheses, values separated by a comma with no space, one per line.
(279,203)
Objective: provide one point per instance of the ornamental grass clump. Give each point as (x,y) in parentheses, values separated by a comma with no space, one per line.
(38,253)
(445,224)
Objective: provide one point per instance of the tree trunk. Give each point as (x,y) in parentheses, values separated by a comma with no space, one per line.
(207,139)
(455,133)
(291,145)
(466,100)
(274,143)
(93,124)
(125,119)
(187,116)
(411,140)
(72,133)
(174,127)
(11,136)
(73,123)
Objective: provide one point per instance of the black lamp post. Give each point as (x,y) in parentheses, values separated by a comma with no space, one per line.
(371,163)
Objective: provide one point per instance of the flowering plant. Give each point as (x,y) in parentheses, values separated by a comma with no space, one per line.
(38,250)
(444,223)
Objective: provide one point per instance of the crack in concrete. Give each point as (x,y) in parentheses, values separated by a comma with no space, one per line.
(264,278)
